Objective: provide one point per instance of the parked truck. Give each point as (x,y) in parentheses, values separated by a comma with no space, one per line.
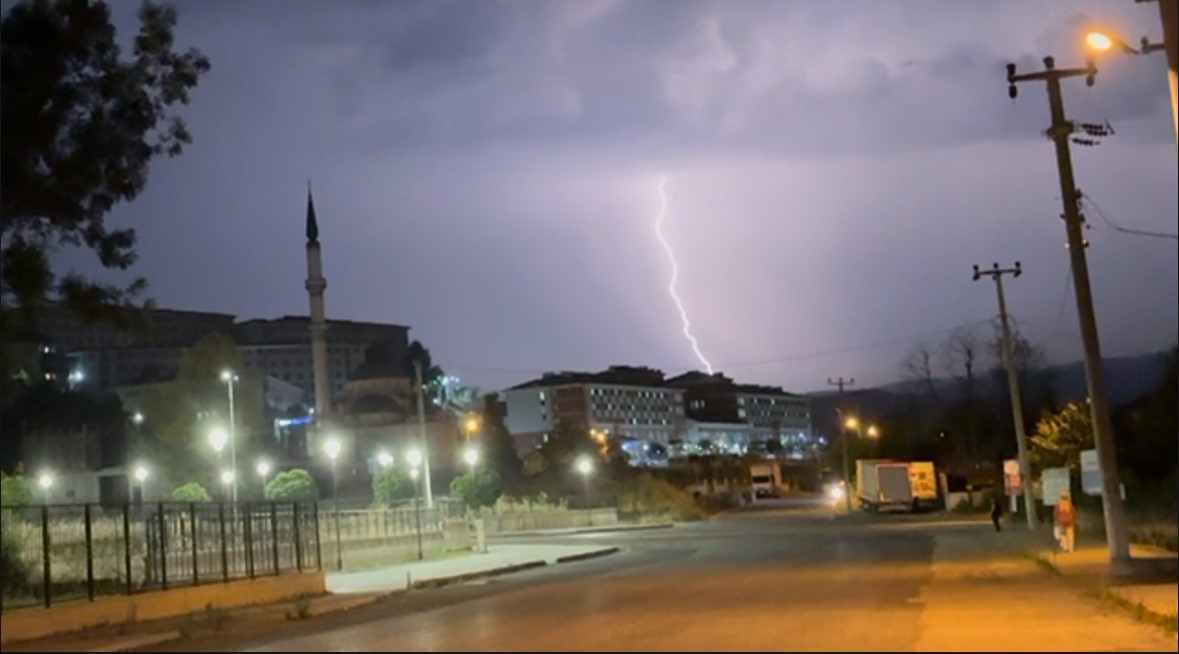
(884,484)
(766,479)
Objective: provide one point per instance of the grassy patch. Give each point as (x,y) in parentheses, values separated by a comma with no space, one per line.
(1139,611)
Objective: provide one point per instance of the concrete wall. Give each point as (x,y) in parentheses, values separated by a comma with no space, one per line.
(549,519)
(26,624)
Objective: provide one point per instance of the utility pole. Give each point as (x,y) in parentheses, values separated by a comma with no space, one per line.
(841,383)
(1169,14)
(1021,440)
(417,372)
(1060,131)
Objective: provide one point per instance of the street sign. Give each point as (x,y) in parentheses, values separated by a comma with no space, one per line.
(1056,481)
(1011,478)
(1090,473)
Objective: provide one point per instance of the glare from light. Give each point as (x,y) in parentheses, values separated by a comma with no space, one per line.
(141,473)
(413,474)
(263,468)
(585,466)
(218,437)
(471,456)
(472,424)
(873,432)
(227,477)
(228,376)
(137,418)
(414,457)
(852,423)
(332,447)
(385,459)
(1099,41)
(45,480)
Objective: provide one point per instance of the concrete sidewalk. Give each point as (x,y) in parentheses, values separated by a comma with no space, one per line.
(1153,588)
(500,558)
(581,530)
(346,591)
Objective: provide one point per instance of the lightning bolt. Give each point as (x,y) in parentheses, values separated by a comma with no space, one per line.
(675,274)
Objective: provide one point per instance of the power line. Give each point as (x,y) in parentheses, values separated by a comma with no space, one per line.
(1118,228)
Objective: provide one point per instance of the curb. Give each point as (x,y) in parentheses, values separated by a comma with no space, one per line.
(587,555)
(1109,594)
(582,530)
(138,642)
(439,582)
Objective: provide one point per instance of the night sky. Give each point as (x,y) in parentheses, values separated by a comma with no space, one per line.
(486,173)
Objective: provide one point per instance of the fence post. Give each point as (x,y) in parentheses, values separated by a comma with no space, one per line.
(298,538)
(192,531)
(89,556)
(274,534)
(248,537)
(163,539)
(127,546)
(318,546)
(224,547)
(47,575)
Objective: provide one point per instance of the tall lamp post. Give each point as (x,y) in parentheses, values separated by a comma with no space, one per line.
(230,378)
(263,472)
(586,467)
(852,424)
(414,458)
(141,474)
(332,448)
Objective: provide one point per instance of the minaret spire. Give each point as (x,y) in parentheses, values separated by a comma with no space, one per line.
(316,285)
(312,224)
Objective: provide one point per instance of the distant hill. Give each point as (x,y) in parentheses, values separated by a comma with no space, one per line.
(1126,379)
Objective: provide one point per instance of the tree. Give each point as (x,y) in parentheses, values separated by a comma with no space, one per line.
(1060,437)
(479,488)
(431,374)
(499,448)
(90,122)
(191,492)
(567,442)
(294,485)
(392,485)
(15,490)
(961,354)
(917,366)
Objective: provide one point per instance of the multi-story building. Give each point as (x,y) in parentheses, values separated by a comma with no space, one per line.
(629,403)
(150,347)
(715,405)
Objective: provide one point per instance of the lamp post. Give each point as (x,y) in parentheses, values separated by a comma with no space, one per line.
(263,472)
(853,424)
(231,378)
(586,467)
(471,456)
(470,426)
(1100,41)
(415,458)
(45,482)
(226,482)
(141,474)
(332,448)
(137,419)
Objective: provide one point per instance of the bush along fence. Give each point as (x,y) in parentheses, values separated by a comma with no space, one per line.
(58,553)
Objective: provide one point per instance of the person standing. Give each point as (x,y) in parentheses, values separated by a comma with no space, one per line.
(1065,519)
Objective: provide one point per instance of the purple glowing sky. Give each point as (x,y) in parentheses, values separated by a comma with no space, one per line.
(486,173)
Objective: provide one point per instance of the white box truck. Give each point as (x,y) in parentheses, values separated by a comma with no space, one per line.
(766,479)
(883,485)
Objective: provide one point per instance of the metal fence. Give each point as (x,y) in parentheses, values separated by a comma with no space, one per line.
(56,553)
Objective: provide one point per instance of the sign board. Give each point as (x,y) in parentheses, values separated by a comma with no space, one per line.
(1056,481)
(1011,478)
(1090,473)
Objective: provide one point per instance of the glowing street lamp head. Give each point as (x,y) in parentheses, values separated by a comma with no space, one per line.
(873,432)
(141,473)
(263,468)
(851,423)
(413,474)
(1099,41)
(228,376)
(332,448)
(585,466)
(472,424)
(137,418)
(45,480)
(471,456)
(218,438)
(385,459)
(227,477)
(414,457)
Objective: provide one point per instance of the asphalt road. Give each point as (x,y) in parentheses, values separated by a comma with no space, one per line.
(789,578)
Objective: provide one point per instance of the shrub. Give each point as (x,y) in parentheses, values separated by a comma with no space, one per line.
(392,485)
(646,496)
(478,488)
(191,492)
(15,491)
(295,485)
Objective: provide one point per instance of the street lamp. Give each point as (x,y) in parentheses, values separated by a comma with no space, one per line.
(332,447)
(384,459)
(415,474)
(226,481)
(231,378)
(586,467)
(141,474)
(137,420)
(852,424)
(1100,41)
(263,472)
(471,424)
(45,481)
(471,456)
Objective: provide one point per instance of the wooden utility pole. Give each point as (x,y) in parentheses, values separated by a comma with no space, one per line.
(841,383)
(1061,129)
(1025,466)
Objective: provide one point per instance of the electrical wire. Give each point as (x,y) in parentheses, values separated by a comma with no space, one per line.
(1125,230)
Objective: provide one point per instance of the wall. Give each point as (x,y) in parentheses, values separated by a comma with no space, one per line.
(26,624)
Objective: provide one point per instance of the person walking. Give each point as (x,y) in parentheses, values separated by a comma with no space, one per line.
(997,513)
(1065,522)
